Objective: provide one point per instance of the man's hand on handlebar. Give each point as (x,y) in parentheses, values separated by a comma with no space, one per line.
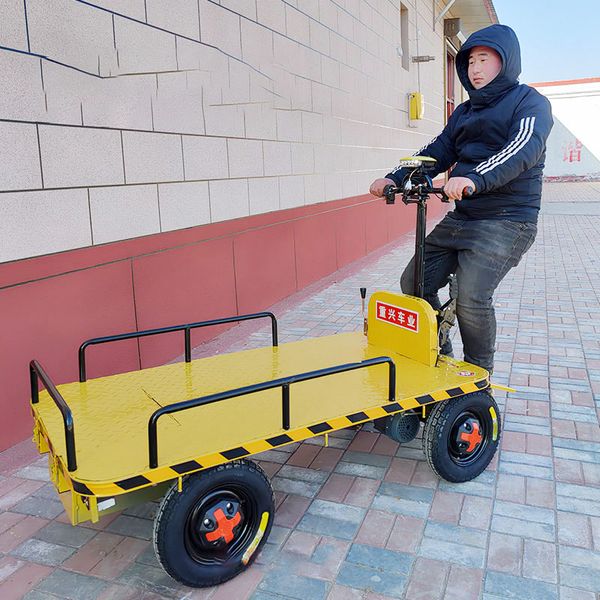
(455,187)
(378,186)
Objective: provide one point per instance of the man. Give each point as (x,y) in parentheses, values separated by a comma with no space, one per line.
(496,141)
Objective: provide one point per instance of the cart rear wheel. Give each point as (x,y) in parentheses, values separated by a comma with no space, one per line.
(213,529)
(461,436)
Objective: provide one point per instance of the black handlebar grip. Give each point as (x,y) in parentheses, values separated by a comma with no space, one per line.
(468,191)
(363,293)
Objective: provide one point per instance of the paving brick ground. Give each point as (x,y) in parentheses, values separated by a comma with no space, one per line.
(365,518)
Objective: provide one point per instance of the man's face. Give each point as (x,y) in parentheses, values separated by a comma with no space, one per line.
(484,64)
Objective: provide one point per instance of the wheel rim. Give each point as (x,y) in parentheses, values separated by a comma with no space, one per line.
(468,437)
(220,525)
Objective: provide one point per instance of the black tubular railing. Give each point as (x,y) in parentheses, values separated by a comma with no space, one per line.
(284,383)
(37,374)
(186,328)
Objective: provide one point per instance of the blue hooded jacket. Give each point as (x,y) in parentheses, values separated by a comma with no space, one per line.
(497,138)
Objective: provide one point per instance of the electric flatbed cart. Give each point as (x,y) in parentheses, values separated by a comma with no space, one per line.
(184,431)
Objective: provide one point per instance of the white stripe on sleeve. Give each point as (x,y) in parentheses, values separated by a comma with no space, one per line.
(523,129)
(516,140)
(528,132)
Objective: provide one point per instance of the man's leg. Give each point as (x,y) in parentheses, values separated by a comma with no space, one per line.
(489,249)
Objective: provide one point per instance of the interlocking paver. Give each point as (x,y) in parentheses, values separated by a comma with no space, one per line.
(540,492)
(446,507)
(376,528)
(382,571)
(332,519)
(463,536)
(293,586)
(336,511)
(567,593)
(527,465)
(326,559)
(65,535)
(43,552)
(505,553)
(480,486)
(539,561)
(87,557)
(131,526)
(428,579)
(336,488)
(361,492)
(501,585)
(406,534)
(293,486)
(463,583)
(150,579)
(118,559)
(580,577)
(403,500)
(72,585)
(24,579)
(360,470)
(291,510)
(511,488)
(578,498)
(365,517)
(302,543)
(476,512)
(469,556)
(20,492)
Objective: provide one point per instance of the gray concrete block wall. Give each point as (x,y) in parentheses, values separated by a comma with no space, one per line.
(123,212)
(151,157)
(183,205)
(80,156)
(179,16)
(73,34)
(13,32)
(19,158)
(40,222)
(144,118)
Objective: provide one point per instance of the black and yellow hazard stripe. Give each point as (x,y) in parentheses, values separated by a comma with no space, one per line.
(166,473)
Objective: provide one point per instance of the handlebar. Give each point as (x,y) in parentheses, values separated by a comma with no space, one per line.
(419,190)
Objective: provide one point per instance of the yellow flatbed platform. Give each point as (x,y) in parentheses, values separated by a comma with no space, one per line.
(111,414)
(182,431)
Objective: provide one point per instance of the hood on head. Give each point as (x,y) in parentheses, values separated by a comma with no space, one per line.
(502,39)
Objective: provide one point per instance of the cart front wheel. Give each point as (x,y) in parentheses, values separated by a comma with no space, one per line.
(213,529)
(461,436)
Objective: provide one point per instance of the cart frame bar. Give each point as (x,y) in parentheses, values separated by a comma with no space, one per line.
(284,383)
(37,373)
(186,328)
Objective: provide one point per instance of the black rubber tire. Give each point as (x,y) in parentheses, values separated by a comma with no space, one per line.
(440,430)
(178,510)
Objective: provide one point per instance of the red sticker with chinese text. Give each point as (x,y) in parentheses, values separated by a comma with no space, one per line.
(401,317)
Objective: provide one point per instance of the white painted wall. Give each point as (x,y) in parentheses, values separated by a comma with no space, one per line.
(574,143)
(122,118)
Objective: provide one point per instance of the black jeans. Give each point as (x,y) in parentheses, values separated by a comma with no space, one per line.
(480,252)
